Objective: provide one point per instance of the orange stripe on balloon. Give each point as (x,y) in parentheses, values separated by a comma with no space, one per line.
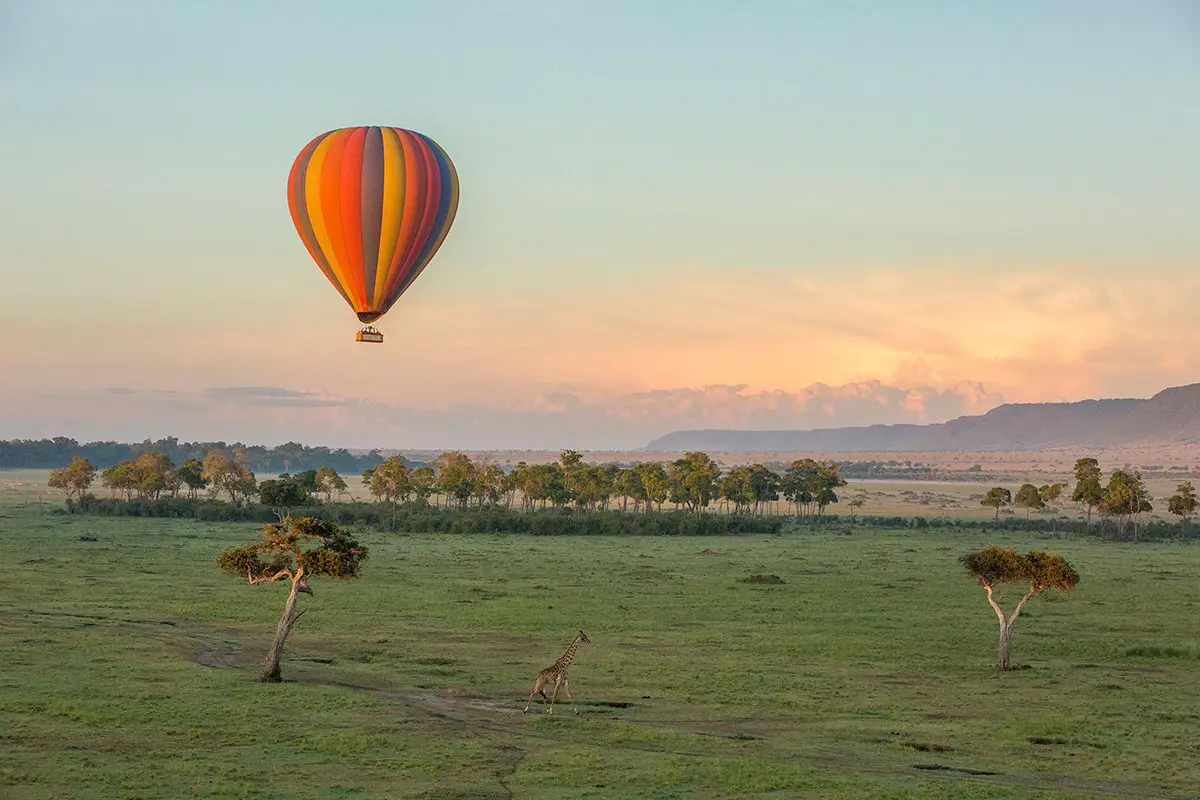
(331,208)
(316,212)
(300,216)
(350,203)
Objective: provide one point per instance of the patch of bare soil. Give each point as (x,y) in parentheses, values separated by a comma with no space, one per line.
(217,655)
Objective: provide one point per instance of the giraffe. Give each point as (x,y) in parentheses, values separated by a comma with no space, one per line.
(556,675)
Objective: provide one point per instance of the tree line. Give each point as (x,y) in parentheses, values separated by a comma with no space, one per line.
(290,457)
(1120,502)
(293,457)
(693,483)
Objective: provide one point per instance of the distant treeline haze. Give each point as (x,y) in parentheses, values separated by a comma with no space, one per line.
(290,457)
(293,458)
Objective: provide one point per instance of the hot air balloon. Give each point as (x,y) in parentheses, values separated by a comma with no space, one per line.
(372,205)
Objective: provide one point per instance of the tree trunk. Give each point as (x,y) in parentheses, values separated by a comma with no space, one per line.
(1002,660)
(282,629)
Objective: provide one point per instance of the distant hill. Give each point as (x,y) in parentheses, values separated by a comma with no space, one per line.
(1170,417)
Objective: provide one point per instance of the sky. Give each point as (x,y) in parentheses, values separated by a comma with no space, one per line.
(763,214)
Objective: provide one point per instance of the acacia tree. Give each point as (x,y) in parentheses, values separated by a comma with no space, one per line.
(282,494)
(1183,503)
(424,483)
(798,482)
(807,483)
(74,479)
(119,478)
(735,487)
(629,487)
(391,482)
(656,484)
(191,472)
(1029,498)
(693,480)
(489,483)
(218,472)
(827,478)
(1125,498)
(287,553)
(457,477)
(997,498)
(765,485)
(328,482)
(1050,493)
(1088,490)
(1041,571)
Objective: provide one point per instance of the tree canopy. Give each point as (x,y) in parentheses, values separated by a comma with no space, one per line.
(997,497)
(1040,571)
(294,550)
(74,479)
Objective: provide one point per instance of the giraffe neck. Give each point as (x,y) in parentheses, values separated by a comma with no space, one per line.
(565,661)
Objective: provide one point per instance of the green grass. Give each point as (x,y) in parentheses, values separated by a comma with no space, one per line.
(128,666)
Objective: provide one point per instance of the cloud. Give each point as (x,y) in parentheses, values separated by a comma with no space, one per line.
(125,390)
(270,396)
(592,365)
(548,420)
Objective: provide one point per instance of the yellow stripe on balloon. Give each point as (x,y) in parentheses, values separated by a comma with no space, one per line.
(312,201)
(394,176)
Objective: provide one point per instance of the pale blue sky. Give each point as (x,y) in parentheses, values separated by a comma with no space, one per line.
(601,147)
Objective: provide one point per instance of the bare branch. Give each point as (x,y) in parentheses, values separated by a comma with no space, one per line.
(1032,591)
(283,574)
(999,611)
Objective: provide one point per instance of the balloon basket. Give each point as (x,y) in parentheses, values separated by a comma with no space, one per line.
(369,334)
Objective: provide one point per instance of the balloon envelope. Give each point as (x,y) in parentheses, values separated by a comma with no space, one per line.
(372,205)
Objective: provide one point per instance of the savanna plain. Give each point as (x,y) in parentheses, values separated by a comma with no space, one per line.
(129,665)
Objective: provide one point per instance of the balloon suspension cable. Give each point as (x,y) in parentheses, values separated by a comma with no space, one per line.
(369,334)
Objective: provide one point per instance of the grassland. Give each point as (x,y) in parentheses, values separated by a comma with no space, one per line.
(127,669)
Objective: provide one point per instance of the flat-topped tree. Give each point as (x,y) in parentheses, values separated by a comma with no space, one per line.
(1029,498)
(294,550)
(997,498)
(995,566)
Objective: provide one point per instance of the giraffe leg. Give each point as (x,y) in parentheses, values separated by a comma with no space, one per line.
(553,697)
(537,687)
(567,686)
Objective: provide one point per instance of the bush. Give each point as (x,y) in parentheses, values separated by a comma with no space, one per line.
(573,522)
